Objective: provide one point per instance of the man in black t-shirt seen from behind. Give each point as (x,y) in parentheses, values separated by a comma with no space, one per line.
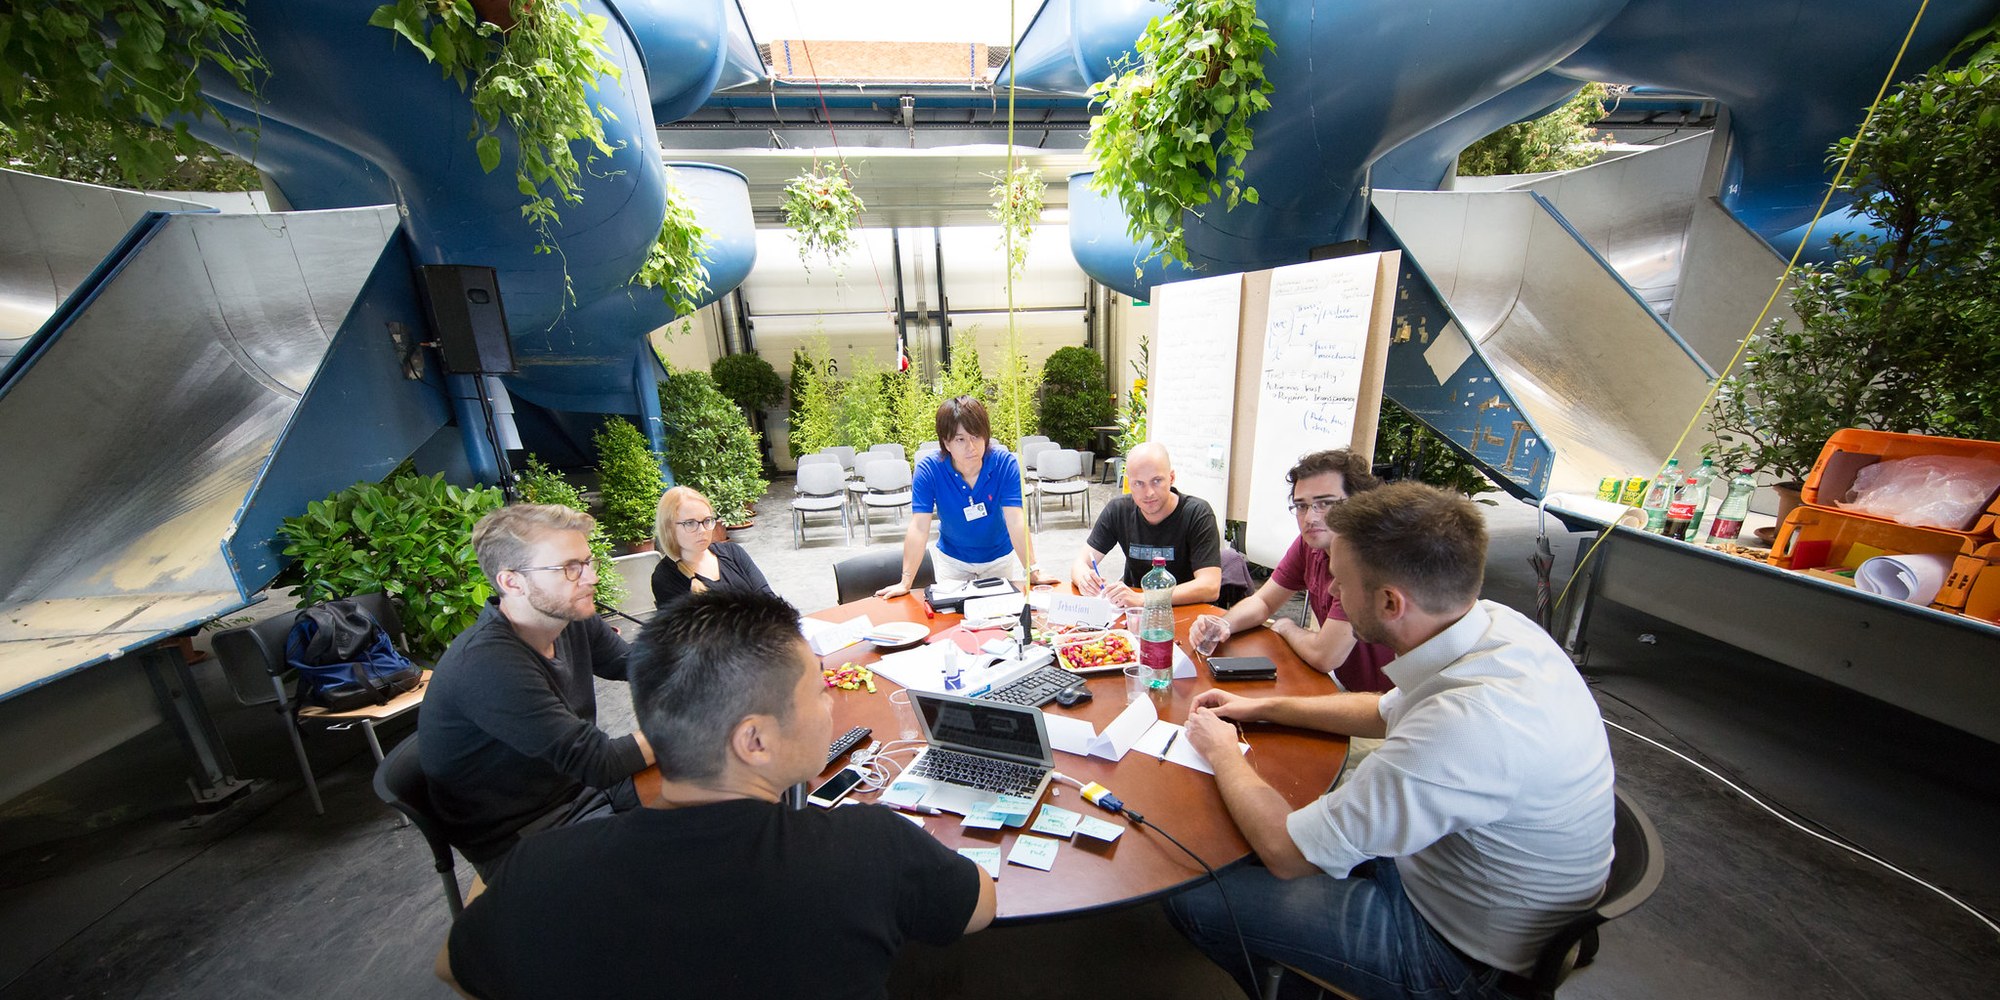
(716,889)
(1153,520)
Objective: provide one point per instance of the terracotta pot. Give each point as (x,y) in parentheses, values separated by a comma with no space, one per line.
(644,545)
(1788,498)
(498,12)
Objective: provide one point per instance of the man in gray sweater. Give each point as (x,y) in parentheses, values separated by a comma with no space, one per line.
(509,737)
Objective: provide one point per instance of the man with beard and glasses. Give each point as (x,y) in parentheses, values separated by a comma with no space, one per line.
(1479,828)
(508,736)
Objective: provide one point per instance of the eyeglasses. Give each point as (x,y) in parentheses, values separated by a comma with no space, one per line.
(571,571)
(1318,505)
(705,524)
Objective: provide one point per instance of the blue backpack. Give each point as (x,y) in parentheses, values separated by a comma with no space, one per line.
(345,659)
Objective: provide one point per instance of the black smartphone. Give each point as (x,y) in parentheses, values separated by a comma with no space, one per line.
(829,794)
(1242,668)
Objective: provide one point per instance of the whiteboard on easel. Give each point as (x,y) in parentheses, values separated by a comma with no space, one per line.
(1194,358)
(1315,346)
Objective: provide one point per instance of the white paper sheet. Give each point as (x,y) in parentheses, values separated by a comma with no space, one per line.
(1182,750)
(1071,735)
(1914,578)
(824,636)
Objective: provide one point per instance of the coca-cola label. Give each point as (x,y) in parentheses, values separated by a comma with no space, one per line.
(1681,510)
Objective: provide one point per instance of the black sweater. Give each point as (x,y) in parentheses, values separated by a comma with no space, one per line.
(507,734)
(734,571)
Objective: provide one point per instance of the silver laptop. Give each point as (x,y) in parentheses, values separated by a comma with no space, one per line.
(979,750)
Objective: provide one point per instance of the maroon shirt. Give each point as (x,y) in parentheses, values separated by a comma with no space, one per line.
(1305,568)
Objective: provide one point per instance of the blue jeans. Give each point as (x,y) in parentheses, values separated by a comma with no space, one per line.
(1359,933)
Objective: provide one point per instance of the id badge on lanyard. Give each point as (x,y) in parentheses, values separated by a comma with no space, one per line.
(974,512)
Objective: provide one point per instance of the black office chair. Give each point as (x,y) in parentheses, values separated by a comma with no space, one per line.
(863,575)
(254,655)
(1638,863)
(400,782)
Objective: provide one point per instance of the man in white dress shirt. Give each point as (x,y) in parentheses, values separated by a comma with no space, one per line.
(1482,824)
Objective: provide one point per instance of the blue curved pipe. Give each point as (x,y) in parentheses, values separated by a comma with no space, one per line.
(1426,162)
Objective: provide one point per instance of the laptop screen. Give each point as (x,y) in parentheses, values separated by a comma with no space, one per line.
(979,726)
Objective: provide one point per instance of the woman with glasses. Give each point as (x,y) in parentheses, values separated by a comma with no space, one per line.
(691,561)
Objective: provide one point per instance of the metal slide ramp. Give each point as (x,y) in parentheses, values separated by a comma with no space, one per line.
(57,232)
(139,420)
(1606,383)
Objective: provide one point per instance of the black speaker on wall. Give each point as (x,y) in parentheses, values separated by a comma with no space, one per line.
(465,311)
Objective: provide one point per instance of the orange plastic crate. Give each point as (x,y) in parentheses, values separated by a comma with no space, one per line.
(1814,536)
(1977,579)
(1849,451)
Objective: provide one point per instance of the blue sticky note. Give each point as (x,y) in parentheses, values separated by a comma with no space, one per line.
(985,857)
(1056,821)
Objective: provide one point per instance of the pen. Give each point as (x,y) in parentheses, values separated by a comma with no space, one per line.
(928,613)
(1170,744)
(913,808)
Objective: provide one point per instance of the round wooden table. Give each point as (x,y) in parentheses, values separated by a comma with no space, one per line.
(1140,865)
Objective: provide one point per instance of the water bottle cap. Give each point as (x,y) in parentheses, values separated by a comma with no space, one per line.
(1159,560)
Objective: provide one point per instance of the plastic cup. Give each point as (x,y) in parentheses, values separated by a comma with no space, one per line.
(1133,617)
(1205,645)
(1138,683)
(906,714)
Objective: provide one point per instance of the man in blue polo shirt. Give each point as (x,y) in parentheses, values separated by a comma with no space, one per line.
(973,489)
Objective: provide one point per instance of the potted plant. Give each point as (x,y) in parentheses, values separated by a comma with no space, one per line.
(541,484)
(750,382)
(531,78)
(1174,129)
(88,70)
(1898,332)
(1074,397)
(821,209)
(816,393)
(673,263)
(710,446)
(1015,405)
(1017,206)
(410,537)
(629,483)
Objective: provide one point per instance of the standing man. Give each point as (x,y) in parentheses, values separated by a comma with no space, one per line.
(509,737)
(1320,482)
(1154,521)
(1481,826)
(716,889)
(974,491)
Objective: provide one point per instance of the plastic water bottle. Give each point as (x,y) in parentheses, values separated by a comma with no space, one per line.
(1660,495)
(1728,521)
(1156,626)
(1684,508)
(1705,477)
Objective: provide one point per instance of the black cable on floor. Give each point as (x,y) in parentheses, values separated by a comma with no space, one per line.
(1249,967)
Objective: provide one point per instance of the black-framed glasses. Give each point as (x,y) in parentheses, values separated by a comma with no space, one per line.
(1318,505)
(705,524)
(571,571)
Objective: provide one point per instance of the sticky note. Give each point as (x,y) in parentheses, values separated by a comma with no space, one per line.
(1034,852)
(983,819)
(985,857)
(1097,829)
(1012,805)
(1056,821)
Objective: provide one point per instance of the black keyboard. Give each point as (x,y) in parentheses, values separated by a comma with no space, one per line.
(1034,690)
(984,773)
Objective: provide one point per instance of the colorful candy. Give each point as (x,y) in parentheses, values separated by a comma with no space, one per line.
(849,677)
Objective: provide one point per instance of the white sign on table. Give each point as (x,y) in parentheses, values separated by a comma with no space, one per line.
(1315,343)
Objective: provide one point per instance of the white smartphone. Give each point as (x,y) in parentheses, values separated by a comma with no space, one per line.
(829,793)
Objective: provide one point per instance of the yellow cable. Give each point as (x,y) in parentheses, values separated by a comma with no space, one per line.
(1013,332)
(1790,266)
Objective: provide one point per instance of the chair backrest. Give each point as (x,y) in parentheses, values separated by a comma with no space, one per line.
(863,575)
(400,782)
(1058,463)
(887,475)
(887,449)
(822,479)
(845,453)
(1638,863)
(1032,439)
(817,458)
(251,655)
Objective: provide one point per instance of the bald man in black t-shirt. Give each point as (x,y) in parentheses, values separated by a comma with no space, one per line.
(1154,520)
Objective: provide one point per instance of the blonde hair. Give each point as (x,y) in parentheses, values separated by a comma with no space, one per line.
(503,538)
(664,517)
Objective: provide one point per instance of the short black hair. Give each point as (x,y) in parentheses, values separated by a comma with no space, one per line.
(705,664)
(1429,542)
(963,413)
(1355,474)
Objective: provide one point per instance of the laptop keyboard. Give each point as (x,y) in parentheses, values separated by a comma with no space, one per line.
(1038,688)
(984,773)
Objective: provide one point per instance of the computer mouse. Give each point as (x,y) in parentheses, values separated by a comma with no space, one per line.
(1075,694)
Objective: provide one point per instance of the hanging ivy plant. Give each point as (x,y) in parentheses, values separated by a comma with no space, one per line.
(535,76)
(1017,206)
(821,208)
(104,65)
(1175,127)
(674,263)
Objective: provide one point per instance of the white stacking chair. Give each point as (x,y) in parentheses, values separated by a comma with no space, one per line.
(888,482)
(844,453)
(891,449)
(1031,439)
(1061,475)
(822,490)
(1031,452)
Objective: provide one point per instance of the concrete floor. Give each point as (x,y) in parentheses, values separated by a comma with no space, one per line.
(112,886)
